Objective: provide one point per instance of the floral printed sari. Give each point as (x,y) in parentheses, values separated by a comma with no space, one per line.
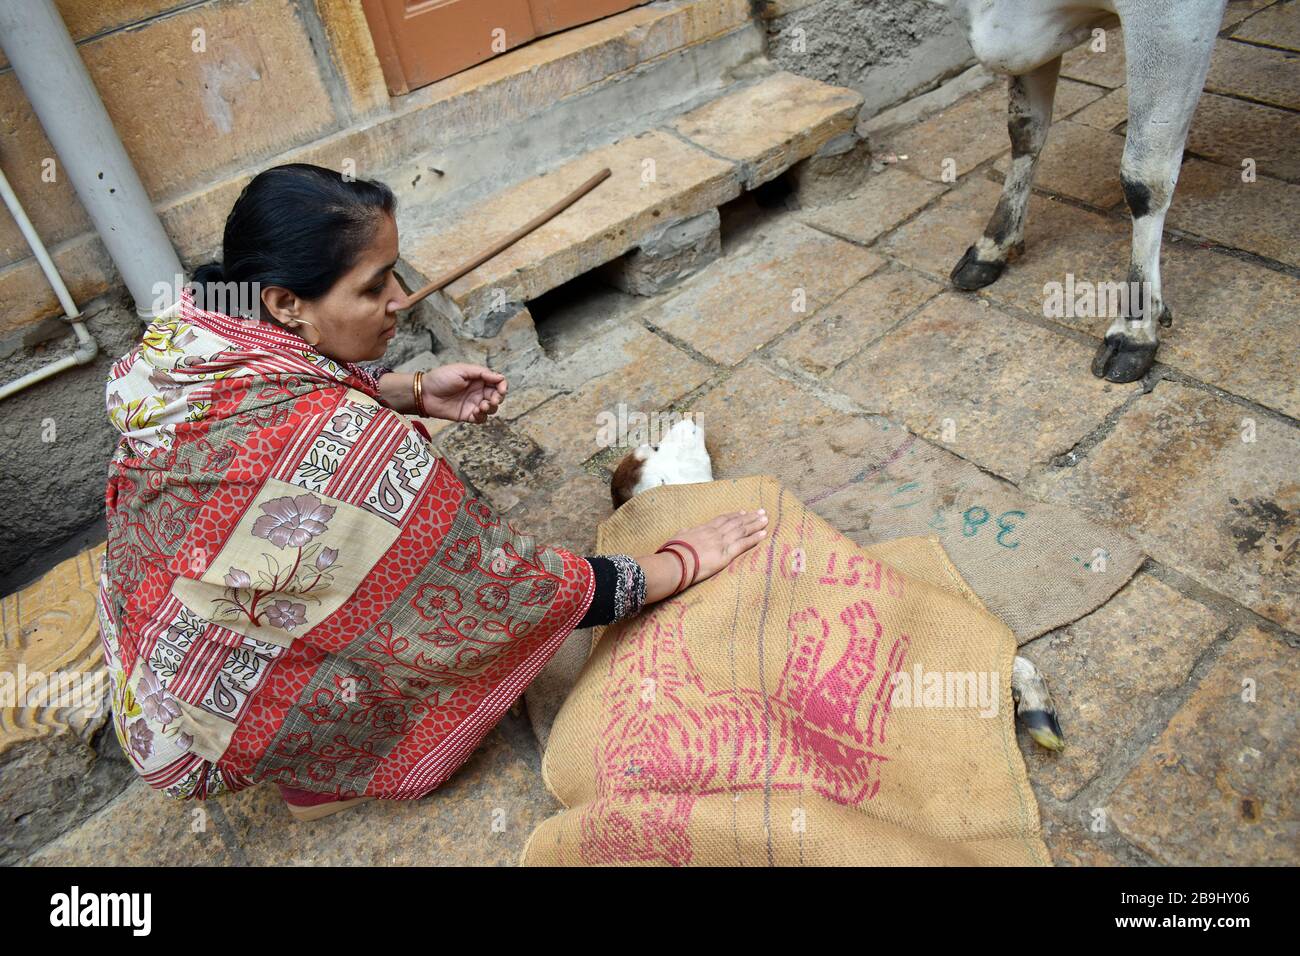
(296,588)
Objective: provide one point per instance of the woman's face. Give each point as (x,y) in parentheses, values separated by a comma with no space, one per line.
(357,318)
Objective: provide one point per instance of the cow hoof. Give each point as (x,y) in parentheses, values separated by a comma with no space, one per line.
(1119,360)
(970,274)
(1044,728)
(1166,318)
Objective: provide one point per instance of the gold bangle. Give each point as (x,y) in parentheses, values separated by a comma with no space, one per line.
(419,396)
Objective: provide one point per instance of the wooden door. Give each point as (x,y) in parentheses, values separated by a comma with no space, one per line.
(420,41)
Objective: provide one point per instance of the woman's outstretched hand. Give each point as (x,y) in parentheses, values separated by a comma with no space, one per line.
(463,393)
(717,542)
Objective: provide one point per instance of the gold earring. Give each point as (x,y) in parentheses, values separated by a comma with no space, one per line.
(315,331)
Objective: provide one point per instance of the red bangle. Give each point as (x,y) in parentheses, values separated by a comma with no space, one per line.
(681,583)
(694,554)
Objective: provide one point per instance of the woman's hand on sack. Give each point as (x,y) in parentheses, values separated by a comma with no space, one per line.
(717,542)
(463,393)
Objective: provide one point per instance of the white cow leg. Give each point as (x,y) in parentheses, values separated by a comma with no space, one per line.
(1129,348)
(1034,707)
(1168,54)
(1029,115)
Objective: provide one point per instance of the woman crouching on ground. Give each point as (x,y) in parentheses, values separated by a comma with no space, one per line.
(295,587)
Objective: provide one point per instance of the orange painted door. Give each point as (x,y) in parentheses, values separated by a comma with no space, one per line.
(420,41)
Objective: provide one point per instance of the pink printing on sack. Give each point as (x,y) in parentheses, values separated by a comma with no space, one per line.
(653,761)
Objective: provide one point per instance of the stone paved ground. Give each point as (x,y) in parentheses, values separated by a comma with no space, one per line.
(1179,695)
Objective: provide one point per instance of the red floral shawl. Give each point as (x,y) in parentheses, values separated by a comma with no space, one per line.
(295,587)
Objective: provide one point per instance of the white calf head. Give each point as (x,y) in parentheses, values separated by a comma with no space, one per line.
(680,459)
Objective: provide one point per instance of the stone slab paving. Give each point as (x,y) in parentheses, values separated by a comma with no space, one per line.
(1233,319)
(1206,486)
(1234,325)
(1219,786)
(1277,26)
(876,481)
(1254,73)
(1228,131)
(972,131)
(883,202)
(144,827)
(496,459)
(756,293)
(1260,217)
(1102,67)
(850,323)
(605,346)
(1106,113)
(934,240)
(568,426)
(1073,843)
(999,392)
(1114,676)
(1239,10)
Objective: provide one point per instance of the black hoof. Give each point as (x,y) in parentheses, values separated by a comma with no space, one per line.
(1118,360)
(1166,318)
(1043,726)
(970,274)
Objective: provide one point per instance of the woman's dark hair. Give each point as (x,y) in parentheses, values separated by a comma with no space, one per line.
(298,226)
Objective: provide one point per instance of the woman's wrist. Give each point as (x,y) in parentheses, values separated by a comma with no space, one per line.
(663,574)
(395,392)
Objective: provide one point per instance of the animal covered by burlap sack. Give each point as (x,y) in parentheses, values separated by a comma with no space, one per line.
(816,703)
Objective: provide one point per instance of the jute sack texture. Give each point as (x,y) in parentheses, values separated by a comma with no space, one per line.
(817,703)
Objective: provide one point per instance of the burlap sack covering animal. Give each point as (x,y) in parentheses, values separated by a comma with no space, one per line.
(815,703)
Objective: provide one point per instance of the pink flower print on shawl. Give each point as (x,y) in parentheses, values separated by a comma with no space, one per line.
(291,522)
(157,704)
(140,739)
(287,614)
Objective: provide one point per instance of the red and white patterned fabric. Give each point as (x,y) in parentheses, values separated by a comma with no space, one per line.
(295,587)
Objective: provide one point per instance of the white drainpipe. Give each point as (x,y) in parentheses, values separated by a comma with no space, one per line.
(65,100)
(86,348)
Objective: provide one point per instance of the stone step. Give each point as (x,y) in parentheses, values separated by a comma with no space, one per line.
(516,115)
(767,127)
(664,176)
(59,757)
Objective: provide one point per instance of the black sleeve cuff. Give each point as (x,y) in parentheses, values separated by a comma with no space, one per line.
(601,611)
(620,590)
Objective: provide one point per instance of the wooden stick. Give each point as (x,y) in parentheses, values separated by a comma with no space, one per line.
(502,244)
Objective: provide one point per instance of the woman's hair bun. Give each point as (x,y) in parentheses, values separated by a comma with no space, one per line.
(209,272)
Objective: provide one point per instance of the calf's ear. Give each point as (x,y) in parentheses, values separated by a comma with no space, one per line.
(625,479)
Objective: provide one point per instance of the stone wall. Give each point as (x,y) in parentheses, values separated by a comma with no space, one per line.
(197,93)
(55,441)
(887,50)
